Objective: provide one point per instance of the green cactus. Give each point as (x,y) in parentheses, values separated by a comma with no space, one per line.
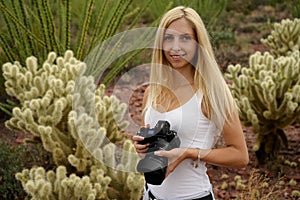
(268,94)
(284,39)
(268,91)
(78,124)
(50,185)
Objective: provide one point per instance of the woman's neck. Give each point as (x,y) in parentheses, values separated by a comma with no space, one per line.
(183,76)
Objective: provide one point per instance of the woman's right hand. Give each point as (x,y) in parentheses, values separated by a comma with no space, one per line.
(141,149)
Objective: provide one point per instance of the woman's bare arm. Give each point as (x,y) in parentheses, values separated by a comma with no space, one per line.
(235,154)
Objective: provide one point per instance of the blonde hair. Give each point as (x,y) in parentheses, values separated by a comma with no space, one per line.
(208,78)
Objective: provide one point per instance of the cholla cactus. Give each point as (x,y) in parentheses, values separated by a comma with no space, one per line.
(268,94)
(50,185)
(285,38)
(76,122)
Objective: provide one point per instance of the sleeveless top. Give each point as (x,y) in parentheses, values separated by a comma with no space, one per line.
(194,131)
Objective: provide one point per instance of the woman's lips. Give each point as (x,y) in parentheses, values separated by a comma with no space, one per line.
(177,57)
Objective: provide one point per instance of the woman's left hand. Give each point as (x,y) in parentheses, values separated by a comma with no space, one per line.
(175,157)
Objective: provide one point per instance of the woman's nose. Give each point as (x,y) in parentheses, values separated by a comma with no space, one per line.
(175,45)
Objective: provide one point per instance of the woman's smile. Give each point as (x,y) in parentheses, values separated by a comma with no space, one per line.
(177,57)
(179,44)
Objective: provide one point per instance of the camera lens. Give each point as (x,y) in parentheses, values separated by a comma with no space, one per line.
(154,169)
(156,177)
(152,163)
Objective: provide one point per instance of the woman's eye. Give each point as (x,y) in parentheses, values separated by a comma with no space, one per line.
(168,37)
(186,37)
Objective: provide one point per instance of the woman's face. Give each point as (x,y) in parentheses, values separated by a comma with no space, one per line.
(179,44)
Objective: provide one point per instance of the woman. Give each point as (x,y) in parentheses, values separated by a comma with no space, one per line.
(188,90)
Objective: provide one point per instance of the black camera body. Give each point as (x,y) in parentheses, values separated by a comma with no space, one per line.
(159,138)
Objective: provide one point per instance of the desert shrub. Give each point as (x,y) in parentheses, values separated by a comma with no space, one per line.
(268,91)
(79,125)
(38,27)
(210,11)
(260,187)
(11,160)
(295,7)
(14,158)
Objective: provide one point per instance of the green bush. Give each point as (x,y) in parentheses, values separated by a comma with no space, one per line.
(79,125)
(38,27)
(268,91)
(11,163)
(15,157)
(295,7)
(210,11)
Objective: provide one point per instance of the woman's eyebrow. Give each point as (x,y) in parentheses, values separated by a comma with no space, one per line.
(177,33)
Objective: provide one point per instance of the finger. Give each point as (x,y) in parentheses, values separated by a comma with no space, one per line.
(137,145)
(161,153)
(137,138)
(143,151)
(141,148)
(147,126)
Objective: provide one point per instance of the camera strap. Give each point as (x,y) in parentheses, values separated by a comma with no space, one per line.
(151,196)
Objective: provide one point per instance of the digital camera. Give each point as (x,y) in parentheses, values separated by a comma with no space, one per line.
(159,138)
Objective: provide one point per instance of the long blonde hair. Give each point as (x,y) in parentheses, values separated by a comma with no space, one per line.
(218,101)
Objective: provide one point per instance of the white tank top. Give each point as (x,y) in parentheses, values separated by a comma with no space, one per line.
(194,131)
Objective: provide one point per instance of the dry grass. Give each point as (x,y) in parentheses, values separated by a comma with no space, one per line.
(259,187)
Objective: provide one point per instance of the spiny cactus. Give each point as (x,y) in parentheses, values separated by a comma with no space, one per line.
(268,94)
(268,91)
(50,185)
(74,121)
(285,38)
